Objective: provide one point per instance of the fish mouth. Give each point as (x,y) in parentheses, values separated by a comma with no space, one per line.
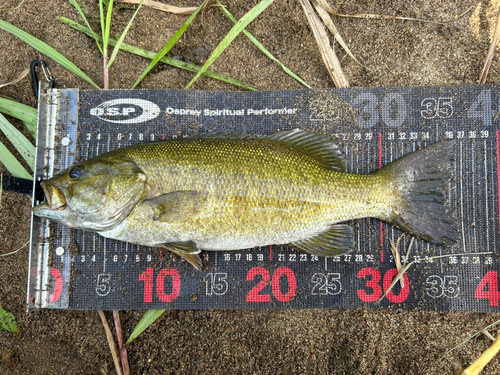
(54,195)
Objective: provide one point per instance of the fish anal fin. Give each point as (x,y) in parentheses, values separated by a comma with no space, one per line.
(177,205)
(188,250)
(337,240)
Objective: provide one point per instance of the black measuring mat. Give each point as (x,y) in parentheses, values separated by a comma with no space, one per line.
(80,270)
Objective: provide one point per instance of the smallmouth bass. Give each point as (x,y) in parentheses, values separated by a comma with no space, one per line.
(230,192)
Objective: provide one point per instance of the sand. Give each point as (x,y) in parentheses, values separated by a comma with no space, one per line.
(393,52)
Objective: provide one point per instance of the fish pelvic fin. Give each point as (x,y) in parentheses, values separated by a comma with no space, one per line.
(337,240)
(421,182)
(188,250)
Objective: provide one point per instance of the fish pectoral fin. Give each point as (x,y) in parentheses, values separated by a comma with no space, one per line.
(337,240)
(177,206)
(188,250)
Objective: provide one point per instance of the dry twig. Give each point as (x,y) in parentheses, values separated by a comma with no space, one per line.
(333,29)
(491,51)
(331,61)
(405,268)
(327,7)
(111,342)
(123,349)
(479,364)
(160,6)
(23,74)
(15,251)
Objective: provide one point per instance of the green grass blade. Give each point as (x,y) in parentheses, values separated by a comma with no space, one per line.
(80,10)
(31,129)
(262,48)
(233,33)
(45,49)
(13,166)
(149,317)
(20,111)
(120,40)
(165,59)
(19,141)
(107,27)
(169,44)
(101,17)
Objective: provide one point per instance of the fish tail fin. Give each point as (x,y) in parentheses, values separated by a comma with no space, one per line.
(421,181)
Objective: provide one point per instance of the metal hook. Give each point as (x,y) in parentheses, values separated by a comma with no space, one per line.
(34,75)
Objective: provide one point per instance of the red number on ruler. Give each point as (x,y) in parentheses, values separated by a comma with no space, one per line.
(373,283)
(492,293)
(147,276)
(58,285)
(292,284)
(401,297)
(254,296)
(160,285)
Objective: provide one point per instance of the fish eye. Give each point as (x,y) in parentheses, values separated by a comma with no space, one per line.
(75,173)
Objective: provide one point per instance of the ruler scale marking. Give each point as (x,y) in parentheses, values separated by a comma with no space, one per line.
(328,282)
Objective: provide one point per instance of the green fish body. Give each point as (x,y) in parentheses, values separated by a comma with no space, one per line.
(229,192)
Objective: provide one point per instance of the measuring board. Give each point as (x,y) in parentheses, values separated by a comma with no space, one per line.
(81,270)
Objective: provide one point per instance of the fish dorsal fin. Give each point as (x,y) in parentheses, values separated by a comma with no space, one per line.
(320,147)
(177,205)
(337,240)
(188,250)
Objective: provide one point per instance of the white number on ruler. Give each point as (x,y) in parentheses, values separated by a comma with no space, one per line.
(393,110)
(103,284)
(440,107)
(481,108)
(216,283)
(328,284)
(438,287)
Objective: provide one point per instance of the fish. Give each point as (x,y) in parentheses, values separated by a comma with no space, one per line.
(223,192)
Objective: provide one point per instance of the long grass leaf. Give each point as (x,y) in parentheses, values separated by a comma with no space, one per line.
(120,40)
(16,7)
(45,49)
(19,141)
(169,44)
(31,128)
(101,17)
(233,33)
(149,317)
(12,164)
(262,48)
(166,60)
(107,27)
(80,10)
(20,111)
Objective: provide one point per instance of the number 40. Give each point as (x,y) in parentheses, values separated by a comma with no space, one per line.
(492,294)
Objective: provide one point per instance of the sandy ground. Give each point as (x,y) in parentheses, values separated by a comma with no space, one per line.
(394,52)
